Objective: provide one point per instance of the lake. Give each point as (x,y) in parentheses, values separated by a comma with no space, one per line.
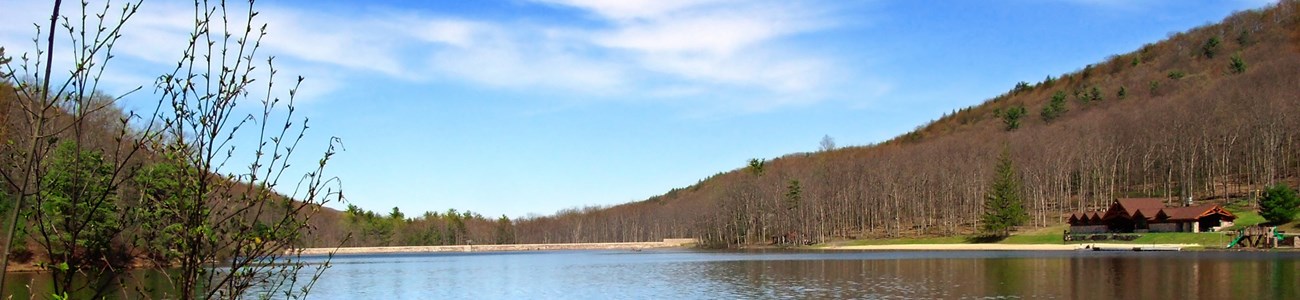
(690,274)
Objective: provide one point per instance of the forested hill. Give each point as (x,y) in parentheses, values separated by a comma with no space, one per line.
(1211,114)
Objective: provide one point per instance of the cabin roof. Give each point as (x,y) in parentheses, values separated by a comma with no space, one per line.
(1147,207)
(1087,217)
(1197,212)
(1150,209)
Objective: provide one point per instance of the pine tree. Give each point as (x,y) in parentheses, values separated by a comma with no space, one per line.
(1011,116)
(505,231)
(793,195)
(1279,204)
(1211,47)
(1055,107)
(1004,205)
(1237,64)
(79,207)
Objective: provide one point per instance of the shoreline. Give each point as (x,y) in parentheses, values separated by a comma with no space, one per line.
(1017,247)
(636,246)
(685,243)
(666,243)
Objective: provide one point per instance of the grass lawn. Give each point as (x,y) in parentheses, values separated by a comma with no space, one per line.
(1246,217)
(1207,239)
(1053,235)
(1034,239)
(1046,235)
(908,241)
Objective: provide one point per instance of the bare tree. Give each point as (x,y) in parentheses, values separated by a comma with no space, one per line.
(229,233)
(76,184)
(827,143)
(242,235)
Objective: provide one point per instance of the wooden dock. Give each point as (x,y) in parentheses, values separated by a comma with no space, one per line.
(1118,247)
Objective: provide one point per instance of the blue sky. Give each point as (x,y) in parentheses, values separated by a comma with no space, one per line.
(530,106)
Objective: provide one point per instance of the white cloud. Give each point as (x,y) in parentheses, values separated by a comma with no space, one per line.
(324,38)
(452,32)
(719,44)
(158,32)
(639,48)
(624,10)
(785,75)
(514,66)
(713,35)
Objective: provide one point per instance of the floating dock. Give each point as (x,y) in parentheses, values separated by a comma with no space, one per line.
(1121,247)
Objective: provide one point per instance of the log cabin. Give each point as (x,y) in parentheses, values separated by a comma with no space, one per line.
(1139,215)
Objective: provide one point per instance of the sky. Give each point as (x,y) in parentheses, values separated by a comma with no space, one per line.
(527,107)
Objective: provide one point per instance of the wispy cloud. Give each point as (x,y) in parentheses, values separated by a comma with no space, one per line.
(631,10)
(718,45)
(653,49)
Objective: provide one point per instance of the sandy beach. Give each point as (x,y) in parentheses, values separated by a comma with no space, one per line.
(666,243)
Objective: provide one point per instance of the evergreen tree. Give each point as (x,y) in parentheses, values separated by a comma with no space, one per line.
(1004,205)
(756,166)
(166,190)
(1011,116)
(1237,64)
(1211,47)
(793,195)
(1279,204)
(79,207)
(1055,107)
(505,231)
(396,214)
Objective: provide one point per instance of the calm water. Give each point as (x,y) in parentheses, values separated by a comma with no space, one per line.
(682,274)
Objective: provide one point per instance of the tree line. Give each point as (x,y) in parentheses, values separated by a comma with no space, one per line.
(361,227)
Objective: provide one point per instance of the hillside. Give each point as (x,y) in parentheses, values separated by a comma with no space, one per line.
(103,134)
(1175,119)
(1208,114)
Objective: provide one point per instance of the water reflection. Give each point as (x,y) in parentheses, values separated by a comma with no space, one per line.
(808,275)
(139,284)
(1069,275)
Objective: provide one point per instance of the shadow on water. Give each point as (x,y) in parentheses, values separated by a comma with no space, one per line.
(141,284)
